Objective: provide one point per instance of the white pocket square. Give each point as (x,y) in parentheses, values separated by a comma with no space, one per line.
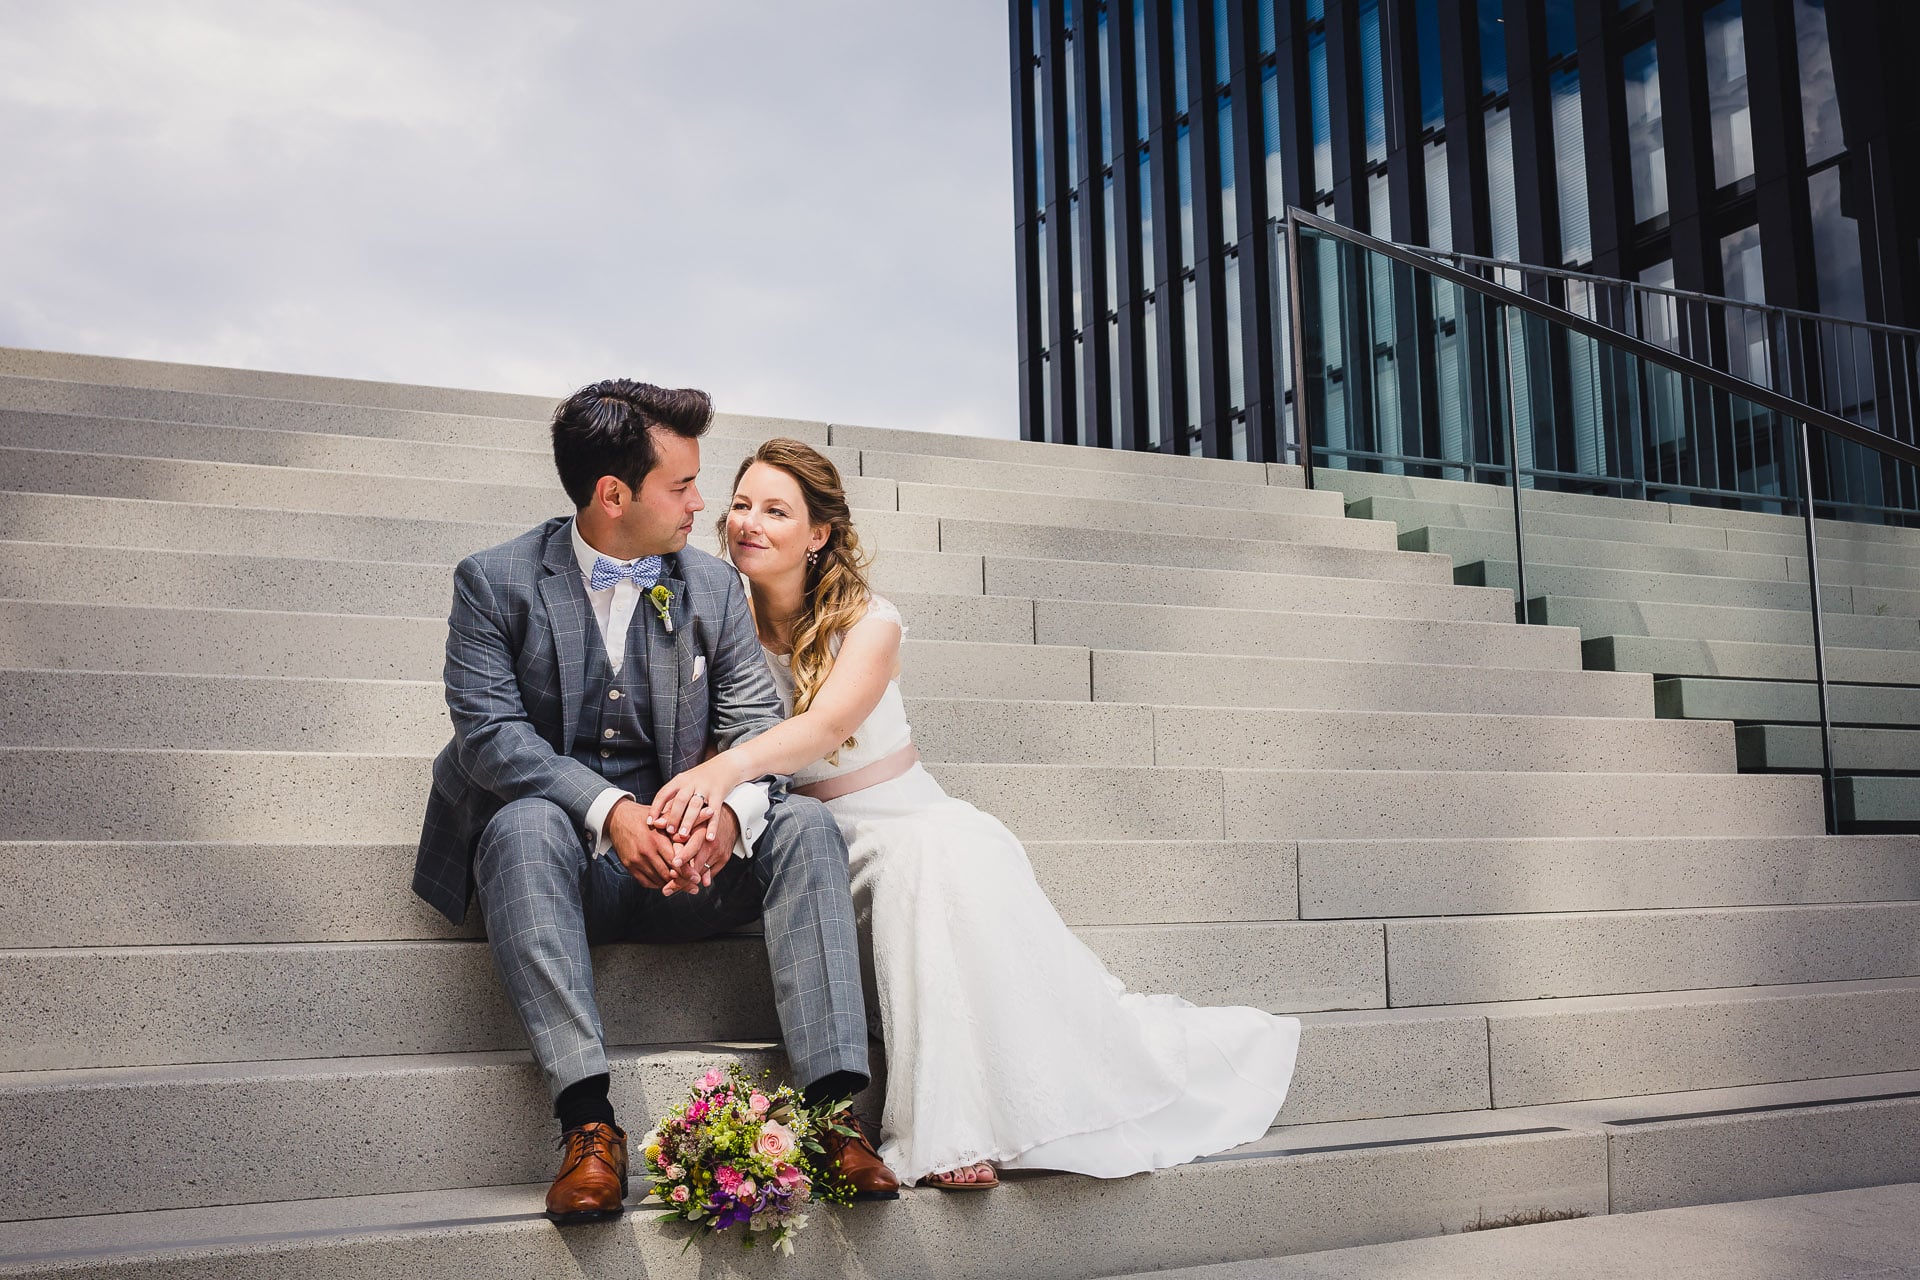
(699,665)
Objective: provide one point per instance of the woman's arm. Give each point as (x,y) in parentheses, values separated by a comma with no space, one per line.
(869,657)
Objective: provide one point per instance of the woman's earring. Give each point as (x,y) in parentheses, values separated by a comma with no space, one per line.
(813,558)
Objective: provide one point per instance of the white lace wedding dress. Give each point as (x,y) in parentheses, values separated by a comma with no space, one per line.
(1006,1038)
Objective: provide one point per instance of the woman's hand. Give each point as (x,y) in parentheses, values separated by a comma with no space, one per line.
(693,796)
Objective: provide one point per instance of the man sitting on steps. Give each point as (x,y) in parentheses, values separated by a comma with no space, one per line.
(588,661)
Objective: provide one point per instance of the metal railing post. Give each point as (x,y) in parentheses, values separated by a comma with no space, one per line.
(1513,460)
(1827,785)
(1297,344)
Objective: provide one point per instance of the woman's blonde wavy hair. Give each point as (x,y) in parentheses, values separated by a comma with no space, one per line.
(836,586)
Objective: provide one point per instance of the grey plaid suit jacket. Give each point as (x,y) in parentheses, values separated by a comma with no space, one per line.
(516,661)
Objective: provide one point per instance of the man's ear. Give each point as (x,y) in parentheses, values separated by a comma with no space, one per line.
(611,494)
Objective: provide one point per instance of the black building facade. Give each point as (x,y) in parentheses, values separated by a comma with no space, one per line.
(1767,150)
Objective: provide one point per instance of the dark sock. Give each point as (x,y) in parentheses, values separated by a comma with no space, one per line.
(829,1089)
(584,1102)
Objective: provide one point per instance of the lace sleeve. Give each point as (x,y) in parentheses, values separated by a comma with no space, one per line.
(879,607)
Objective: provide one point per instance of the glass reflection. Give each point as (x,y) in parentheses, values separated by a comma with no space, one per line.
(1570,167)
(1819,96)
(1502,208)
(1646,141)
(1433,161)
(1373,101)
(1322,120)
(1726,48)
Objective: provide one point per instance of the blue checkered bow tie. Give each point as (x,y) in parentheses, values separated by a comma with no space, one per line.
(642,573)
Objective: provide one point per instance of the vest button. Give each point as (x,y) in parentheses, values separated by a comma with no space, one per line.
(614,694)
(605,754)
(607,734)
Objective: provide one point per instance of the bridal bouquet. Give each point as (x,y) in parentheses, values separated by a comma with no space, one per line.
(737,1154)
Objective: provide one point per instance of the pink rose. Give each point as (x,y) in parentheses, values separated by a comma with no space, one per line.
(758,1104)
(788,1176)
(680,1195)
(776,1141)
(711,1081)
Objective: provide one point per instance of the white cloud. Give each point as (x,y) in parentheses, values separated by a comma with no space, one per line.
(805,208)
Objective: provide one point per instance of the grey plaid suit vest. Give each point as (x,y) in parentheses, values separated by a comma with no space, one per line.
(615,734)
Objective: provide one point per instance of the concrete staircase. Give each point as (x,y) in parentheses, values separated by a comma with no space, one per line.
(1715,605)
(1551,951)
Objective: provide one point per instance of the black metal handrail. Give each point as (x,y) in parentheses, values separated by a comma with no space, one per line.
(1732,384)
(1451,257)
(1808,418)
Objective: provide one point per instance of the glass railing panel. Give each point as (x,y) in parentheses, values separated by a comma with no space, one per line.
(1869,570)
(1651,505)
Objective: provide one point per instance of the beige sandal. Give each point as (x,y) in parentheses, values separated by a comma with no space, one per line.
(945,1179)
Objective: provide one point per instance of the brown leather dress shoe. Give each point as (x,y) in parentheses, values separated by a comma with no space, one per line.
(592,1185)
(859,1163)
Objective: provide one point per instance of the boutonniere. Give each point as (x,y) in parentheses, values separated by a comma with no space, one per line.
(662,602)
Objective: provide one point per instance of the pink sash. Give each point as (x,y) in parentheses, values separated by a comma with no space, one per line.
(885,769)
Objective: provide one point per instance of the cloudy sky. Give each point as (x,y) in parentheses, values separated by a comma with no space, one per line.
(805,207)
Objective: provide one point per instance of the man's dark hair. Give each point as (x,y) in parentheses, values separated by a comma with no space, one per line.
(602,430)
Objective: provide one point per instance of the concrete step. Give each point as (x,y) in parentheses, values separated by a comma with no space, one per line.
(1360,485)
(357,493)
(101,794)
(1882,565)
(1747,660)
(232,1003)
(1345,1190)
(1083,513)
(146,525)
(1660,1043)
(1711,622)
(1411,514)
(56,572)
(1879,804)
(1076,457)
(1796,748)
(1843,543)
(1800,1237)
(1785,701)
(1228,589)
(1175,629)
(189,894)
(522,429)
(1461,960)
(1225,680)
(1635,585)
(490,1120)
(317,447)
(201,713)
(61,366)
(1342,879)
(1061,541)
(323,393)
(1468,546)
(55,635)
(313,446)
(1355,1184)
(1250,493)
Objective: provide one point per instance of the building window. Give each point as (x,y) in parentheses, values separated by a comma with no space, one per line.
(1646,142)
(1502,211)
(1570,167)
(1726,45)
(1439,198)
(1819,99)
(1322,118)
(1373,97)
(1836,246)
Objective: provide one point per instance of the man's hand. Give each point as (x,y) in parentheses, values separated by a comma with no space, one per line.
(708,848)
(646,854)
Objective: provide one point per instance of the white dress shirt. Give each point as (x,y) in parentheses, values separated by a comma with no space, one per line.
(613,609)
